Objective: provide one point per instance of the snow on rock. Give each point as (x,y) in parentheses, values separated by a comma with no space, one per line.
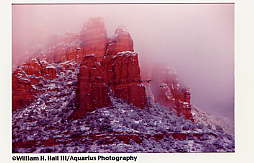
(121,75)
(212,121)
(92,88)
(128,53)
(122,41)
(169,91)
(67,101)
(119,128)
(26,77)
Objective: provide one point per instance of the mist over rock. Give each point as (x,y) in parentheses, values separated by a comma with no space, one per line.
(116,73)
(121,41)
(86,92)
(169,91)
(93,37)
(108,66)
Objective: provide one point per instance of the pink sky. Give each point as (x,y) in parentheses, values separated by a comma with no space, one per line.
(196,39)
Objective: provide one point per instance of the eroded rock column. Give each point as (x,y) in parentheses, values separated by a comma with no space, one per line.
(93,37)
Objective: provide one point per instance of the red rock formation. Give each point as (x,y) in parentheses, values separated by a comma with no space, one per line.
(122,41)
(124,77)
(120,73)
(32,67)
(93,91)
(112,67)
(91,40)
(66,49)
(22,93)
(168,91)
(25,77)
(106,64)
(93,37)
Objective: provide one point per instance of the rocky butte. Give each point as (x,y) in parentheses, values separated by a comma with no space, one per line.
(111,69)
(86,92)
(108,67)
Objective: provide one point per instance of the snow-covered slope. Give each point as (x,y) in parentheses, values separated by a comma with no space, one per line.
(44,127)
(212,121)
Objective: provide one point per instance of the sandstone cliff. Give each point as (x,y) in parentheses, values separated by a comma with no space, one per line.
(108,67)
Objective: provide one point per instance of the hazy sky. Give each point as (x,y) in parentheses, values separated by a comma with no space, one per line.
(196,39)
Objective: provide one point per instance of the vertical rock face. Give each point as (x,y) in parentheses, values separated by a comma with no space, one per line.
(93,91)
(119,73)
(123,69)
(122,41)
(93,37)
(168,91)
(124,78)
(107,70)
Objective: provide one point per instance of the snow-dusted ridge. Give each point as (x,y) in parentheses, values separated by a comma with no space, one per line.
(44,126)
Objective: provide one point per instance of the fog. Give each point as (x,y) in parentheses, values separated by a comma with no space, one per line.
(197,40)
